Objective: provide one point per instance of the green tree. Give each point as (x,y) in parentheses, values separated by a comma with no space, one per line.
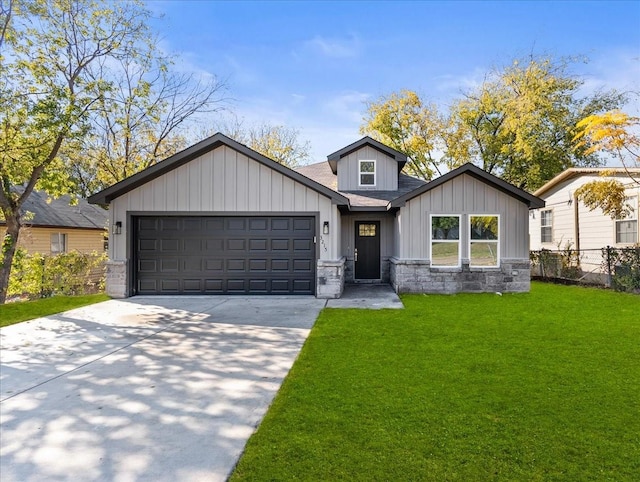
(615,133)
(47,94)
(277,142)
(520,123)
(403,121)
(142,120)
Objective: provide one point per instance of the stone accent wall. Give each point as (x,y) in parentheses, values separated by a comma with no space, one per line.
(116,279)
(417,276)
(330,278)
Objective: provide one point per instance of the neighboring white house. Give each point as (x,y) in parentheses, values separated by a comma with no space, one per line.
(564,223)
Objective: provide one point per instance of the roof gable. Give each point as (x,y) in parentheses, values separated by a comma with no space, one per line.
(575,172)
(513,191)
(366,141)
(183,157)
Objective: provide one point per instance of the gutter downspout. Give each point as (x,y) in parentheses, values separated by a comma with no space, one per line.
(576,222)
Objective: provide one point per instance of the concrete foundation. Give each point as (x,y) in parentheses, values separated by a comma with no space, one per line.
(116,279)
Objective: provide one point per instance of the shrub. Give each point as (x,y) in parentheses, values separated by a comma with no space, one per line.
(73,273)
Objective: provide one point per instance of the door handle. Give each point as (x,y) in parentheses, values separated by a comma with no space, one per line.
(355,255)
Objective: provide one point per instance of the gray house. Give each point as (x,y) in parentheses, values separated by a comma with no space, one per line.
(220,218)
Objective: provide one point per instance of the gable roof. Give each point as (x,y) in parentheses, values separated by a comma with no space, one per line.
(58,213)
(360,200)
(580,171)
(474,171)
(366,141)
(107,195)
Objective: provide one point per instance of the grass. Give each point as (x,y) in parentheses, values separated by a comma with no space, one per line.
(12,313)
(536,386)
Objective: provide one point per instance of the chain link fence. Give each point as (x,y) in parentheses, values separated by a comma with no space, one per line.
(617,268)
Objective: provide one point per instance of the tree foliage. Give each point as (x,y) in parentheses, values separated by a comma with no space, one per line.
(613,132)
(47,94)
(403,121)
(277,142)
(518,124)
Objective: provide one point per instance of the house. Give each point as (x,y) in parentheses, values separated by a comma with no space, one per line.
(53,226)
(220,218)
(563,221)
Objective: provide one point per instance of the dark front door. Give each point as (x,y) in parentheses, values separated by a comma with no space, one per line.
(224,255)
(367,250)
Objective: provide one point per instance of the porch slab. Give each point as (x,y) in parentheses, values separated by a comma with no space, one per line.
(367,296)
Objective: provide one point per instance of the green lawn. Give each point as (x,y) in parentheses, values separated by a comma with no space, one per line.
(537,386)
(11,313)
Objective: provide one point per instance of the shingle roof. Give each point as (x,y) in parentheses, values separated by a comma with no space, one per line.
(322,173)
(59,213)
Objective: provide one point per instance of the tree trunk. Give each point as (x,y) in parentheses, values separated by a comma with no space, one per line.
(9,245)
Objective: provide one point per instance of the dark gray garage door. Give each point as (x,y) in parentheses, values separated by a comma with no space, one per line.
(224,255)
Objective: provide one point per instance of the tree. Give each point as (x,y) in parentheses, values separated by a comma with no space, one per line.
(402,121)
(615,133)
(46,93)
(520,123)
(141,118)
(277,142)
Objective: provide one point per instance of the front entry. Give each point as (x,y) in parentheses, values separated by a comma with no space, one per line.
(366,255)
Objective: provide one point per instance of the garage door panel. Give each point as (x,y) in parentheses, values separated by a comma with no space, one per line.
(225,255)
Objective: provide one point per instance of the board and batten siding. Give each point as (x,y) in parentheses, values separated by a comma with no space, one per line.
(349,171)
(597,230)
(38,239)
(224,181)
(464,195)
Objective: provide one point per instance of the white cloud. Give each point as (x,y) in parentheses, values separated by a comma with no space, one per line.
(339,48)
(347,106)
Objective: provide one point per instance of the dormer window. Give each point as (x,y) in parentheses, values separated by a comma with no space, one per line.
(367,173)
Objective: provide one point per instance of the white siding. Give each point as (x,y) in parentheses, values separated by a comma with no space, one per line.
(597,230)
(463,195)
(224,181)
(349,173)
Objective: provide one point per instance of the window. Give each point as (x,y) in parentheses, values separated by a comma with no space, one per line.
(367,173)
(366,230)
(627,228)
(483,241)
(546,226)
(445,241)
(58,243)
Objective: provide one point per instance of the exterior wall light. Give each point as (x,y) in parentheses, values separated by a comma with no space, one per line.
(117,227)
(325,227)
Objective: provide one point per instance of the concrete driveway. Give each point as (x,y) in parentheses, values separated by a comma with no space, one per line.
(149,388)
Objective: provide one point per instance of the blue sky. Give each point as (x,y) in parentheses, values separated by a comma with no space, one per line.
(313,65)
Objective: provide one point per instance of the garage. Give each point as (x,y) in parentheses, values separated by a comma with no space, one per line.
(224,255)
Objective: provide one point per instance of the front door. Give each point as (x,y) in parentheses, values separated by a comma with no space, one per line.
(366,255)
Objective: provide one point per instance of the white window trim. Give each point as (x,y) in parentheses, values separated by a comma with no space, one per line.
(60,236)
(551,226)
(636,218)
(375,177)
(497,241)
(459,241)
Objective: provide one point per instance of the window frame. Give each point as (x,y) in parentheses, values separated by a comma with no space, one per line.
(633,201)
(496,241)
(458,241)
(360,173)
(549,226)
(60,237)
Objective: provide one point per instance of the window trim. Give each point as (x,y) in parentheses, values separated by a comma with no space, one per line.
(545,226)
(459,241)
(360,173)
(496,241)
(60,236)
(634,198)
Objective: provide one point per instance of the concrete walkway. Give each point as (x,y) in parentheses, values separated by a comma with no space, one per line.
(144,389)
(367,296)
